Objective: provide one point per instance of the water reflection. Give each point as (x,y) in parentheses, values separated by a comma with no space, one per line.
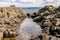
(29,29)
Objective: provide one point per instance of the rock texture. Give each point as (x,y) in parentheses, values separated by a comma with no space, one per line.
(10,20)
(49,20)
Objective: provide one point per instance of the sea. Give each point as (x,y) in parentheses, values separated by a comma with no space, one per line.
(31,9)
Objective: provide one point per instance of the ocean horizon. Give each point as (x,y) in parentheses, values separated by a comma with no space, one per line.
(31,9)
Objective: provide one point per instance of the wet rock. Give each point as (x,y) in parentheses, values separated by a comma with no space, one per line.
(48,18)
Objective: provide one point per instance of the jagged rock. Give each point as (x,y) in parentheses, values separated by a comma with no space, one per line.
(48,17)
(11,17)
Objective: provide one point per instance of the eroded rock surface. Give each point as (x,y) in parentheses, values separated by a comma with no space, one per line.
(10,20)
(48,18)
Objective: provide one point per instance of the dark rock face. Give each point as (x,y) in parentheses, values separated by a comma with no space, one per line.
(48,17)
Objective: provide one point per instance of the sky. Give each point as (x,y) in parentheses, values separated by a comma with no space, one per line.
(29,3)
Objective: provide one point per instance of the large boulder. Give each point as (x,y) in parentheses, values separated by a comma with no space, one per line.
(11,18)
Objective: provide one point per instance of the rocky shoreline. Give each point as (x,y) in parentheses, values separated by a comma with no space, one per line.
(48,18)
(10,20)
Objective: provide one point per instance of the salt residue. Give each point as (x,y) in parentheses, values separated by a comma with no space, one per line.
(29,29)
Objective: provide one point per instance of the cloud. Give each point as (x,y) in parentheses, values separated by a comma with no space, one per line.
(13,0)
(27,1)
(30,3)
(50,0)
(6,4)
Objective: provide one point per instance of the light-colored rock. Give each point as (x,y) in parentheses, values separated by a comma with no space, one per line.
(1,35)
(10,18)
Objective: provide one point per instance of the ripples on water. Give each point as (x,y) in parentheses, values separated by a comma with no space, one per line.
(29,29)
